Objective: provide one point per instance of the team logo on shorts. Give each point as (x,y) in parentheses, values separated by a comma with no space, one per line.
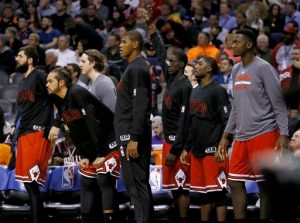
(180,178)
(110,164)
(222,180)
(35,172)
(68,177)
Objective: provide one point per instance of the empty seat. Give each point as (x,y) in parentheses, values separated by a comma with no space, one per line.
(6,106)
(10,93)
(15,78)
(4,176)
(4,78)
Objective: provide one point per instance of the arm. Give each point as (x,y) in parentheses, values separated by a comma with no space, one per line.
(273,89)
(108,95)
(182,128)
(274,92)
(141,101)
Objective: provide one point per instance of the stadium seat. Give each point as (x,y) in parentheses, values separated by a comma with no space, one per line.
(4,176)
(64,191)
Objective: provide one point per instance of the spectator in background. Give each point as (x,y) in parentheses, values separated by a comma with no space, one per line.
(282,53)
(34,41)
(155,90)
(157,128)
(203,48)
(32,16)
(79,31)
(102,10)
(226,20)
(292,14)
(224,78)
(58,19)
(290,83)
(65,54)
(8,18)
(51,59)
(213,25)
(190,31)
(295,143)
(172,33)
(200,20)
(275,21)
(45,8)
(65,152)
(23,30)
(7,57)
(177,8)
(48,35)
(112,51)
(263,50)
(92,19)
(75,71)
(13,40)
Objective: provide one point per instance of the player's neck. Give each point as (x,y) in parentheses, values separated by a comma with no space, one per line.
(205,81)
(133,56)
(30,69)
(247,58)
(62,93)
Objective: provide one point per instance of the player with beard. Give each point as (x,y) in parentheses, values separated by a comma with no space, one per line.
(258,120)
(209,109)
(176,97)
(34,116)
(90,126)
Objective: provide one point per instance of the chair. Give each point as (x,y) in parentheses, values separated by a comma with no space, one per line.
(64,191)
(6,106)
(162,199)
(4,78)
(4,176)
(10,92)
(15,78)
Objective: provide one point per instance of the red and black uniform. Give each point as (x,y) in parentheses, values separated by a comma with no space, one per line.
(35,113)
(90,125)
(132,122)
(175,103)
(209,110)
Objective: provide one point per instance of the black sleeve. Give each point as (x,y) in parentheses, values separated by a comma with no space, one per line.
(159,47)
(181,133)
(188,142)
(141,101)
(224,106)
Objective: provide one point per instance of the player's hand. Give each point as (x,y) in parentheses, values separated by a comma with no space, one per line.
(170,160)
(84,163)
(98,162)
(131,150)
(183,157)
(282,143)
(53,134)
(222,150)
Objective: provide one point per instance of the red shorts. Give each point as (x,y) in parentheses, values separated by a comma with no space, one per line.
(176,176)
(246,156)
(33,154)
(207,175)
(111,165)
